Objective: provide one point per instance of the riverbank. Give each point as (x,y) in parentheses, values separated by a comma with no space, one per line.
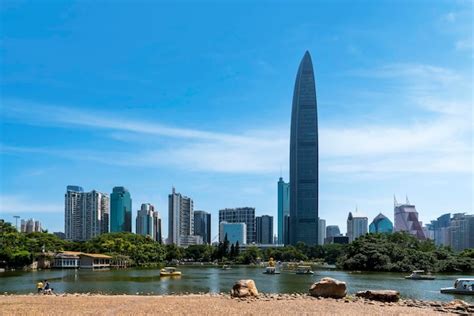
(217,304)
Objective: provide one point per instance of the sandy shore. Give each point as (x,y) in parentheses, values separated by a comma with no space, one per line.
(208,304)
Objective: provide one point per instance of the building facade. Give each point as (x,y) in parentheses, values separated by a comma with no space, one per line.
(381,224)
(240,215)
(120,210)
(157,227)
(144,222)
(180,218)
(304,157)
(86,214)
(30,226)
(235,232)
(440,228)
(264,229)
(202,226)
(283,210)
(462,231)
(406,219)
(356,226)
(321,231)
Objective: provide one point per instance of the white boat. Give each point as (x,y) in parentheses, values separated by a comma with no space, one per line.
(226,267)
(304,270)
(418,275)
(463,286)
(271,270)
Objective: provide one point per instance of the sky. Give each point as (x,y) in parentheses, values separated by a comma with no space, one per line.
(197,95)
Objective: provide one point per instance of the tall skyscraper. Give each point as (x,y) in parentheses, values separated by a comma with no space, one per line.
(180,220)
(30,226)
(157,227)
(441,230)
(321,231)
(120,210)
(144,221)
(356,226)
(332,231)
(406,219)
(381,224)
(304,157)
(264,229)
(240,215)
(202,226)
(283,210)
(86,214)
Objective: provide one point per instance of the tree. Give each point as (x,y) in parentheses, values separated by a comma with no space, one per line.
(237,249)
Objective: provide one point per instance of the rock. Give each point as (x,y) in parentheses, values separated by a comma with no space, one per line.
(244,288)
(328,287)
(381,295)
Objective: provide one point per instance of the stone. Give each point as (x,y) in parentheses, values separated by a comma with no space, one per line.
(328,287)
(381,295)
(244,288)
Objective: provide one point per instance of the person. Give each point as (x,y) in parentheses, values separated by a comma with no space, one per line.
(39,286)
(46,288)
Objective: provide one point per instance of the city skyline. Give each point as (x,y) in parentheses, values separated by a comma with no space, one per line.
(395,109)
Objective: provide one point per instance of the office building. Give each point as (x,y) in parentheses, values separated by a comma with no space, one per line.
(157,227)
(264,229)
(120,210)
(180,219)
(381,224)
(441,230)
(283,210)
(235,232)
(406,219)
(462,231)
(304,158)
(321,231)
(202,226)
(86,213)
(145,225)
(240,215)
(332,230)
(356,226)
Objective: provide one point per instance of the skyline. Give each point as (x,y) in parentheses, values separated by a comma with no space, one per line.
(395,108)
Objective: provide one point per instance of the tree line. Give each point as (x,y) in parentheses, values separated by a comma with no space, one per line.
(372,252)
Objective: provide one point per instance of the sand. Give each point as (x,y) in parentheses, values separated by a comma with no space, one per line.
(76,304)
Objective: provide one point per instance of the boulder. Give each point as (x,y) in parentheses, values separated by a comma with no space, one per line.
(328,287)
(380,295)
(244,288)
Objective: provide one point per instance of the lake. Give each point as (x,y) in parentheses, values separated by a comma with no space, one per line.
(213,279)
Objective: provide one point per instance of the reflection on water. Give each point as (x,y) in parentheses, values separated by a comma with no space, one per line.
(215,280)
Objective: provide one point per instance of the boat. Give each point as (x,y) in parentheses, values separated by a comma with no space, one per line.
(271,270)
(304,270)
(418,275)
(463,286)
(226,267)
(169,271)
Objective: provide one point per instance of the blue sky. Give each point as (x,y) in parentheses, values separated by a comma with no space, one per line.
(151,94)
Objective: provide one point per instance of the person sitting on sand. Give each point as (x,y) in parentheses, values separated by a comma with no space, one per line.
(47,289)
(39,286)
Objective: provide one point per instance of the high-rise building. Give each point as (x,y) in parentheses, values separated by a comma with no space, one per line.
(283,210)
(406,219)
(304,157)
(462,231)
(236,232)
(264,229)
(144,221)
(381,224)
(356,226)
(120,210)
(180,219)
(202,226)
(331,232)
(321,231)
(30,226)
(86,213)
(157,227)
(240,215)
(441,230)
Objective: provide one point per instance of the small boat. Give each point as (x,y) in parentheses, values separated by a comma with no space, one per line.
(418,275)
(226,267)
(304,270)
(169,271)
(463,286)
(271,270)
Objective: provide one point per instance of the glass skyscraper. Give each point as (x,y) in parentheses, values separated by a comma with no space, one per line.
(120,210)
(283,210)
(381,224)
(304,157)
